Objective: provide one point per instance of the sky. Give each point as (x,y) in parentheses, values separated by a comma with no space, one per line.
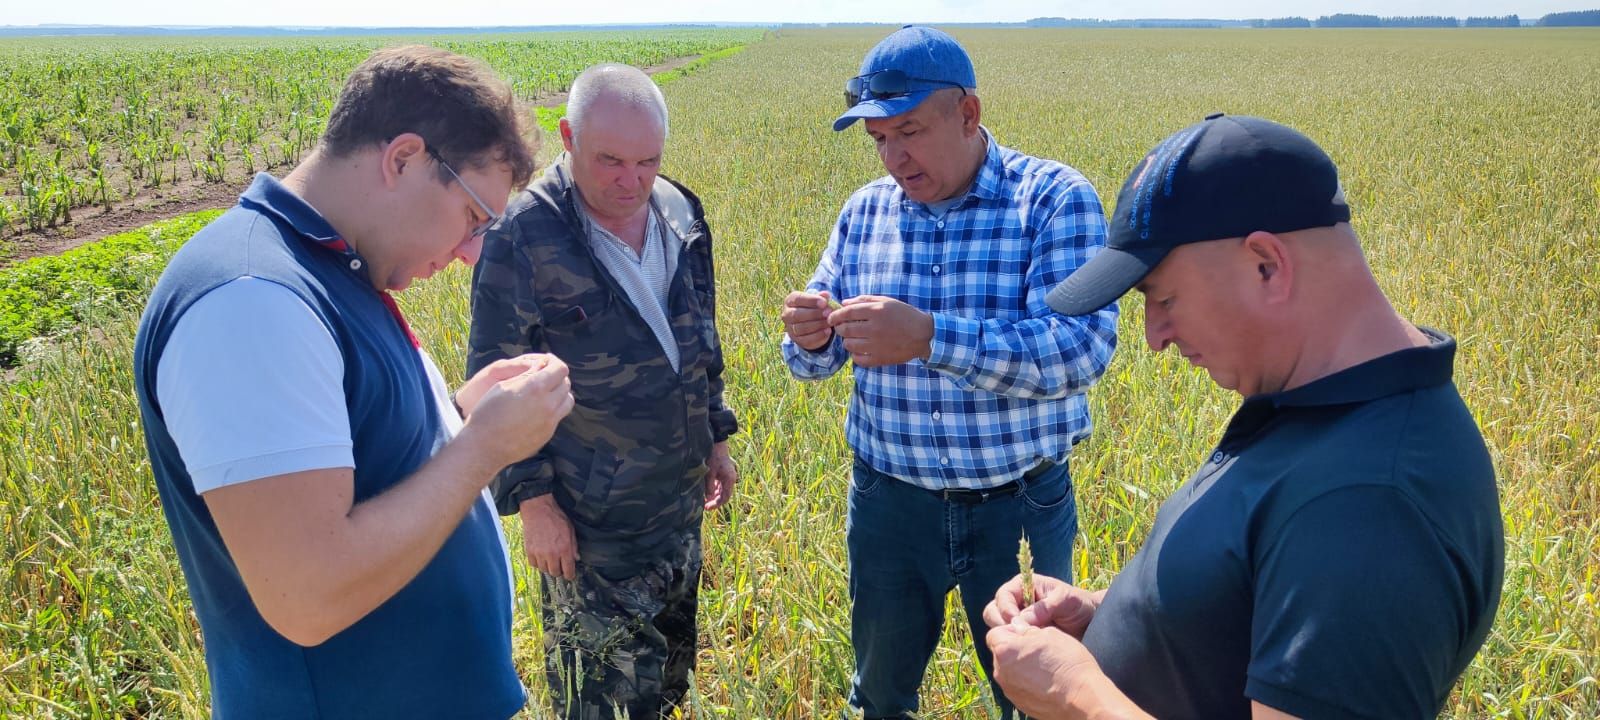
(390,13)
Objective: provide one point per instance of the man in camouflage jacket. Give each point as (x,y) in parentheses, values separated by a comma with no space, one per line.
(608,266)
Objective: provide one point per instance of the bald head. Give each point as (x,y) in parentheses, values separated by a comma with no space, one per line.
(615,88)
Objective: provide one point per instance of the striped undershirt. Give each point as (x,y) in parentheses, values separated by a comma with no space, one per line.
(645,277)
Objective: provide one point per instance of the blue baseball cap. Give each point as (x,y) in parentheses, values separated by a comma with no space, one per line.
(1224,177)
(916,61)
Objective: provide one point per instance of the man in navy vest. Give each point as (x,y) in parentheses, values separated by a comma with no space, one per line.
(325,494)
(1340,552)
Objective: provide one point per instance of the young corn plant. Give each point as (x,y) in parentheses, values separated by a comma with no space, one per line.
(8,215)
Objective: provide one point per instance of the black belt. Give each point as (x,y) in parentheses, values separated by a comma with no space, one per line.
(983,495)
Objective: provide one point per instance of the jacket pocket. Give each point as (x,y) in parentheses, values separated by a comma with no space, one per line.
(589,348)
(593,496)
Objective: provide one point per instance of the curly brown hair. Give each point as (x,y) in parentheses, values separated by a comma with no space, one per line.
(461,108)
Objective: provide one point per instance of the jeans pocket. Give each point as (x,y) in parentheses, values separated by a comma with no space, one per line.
(864,481)
(1049,491)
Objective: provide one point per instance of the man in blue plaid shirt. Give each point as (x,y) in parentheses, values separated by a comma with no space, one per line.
(969,390)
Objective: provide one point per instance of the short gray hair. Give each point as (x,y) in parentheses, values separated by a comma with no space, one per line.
(615,80)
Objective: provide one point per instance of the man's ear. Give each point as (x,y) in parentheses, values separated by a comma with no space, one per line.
(406,152)
(971,110)
(568,139)
(1274,267)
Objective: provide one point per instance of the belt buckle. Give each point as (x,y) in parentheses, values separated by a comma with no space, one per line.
(966,496)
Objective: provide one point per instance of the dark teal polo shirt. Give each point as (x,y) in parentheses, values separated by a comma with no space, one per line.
(1339,556)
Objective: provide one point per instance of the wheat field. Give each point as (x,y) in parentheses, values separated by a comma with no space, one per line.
(1470,162)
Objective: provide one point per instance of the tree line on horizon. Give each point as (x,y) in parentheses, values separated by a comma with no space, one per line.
(1347,20)
(1580,18)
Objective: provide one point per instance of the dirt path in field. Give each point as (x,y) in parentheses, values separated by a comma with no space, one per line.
(93,223)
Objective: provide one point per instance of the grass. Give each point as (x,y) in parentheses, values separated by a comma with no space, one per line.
(1464,157)
(50,294)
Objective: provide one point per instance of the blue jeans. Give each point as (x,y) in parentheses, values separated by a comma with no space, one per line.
(909,547)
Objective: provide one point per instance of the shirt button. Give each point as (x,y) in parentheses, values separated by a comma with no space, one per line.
(936,269)
(944,461)
(941,223)
(936,414)
(355,264)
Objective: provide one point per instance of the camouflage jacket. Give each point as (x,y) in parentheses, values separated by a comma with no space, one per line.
(628,465)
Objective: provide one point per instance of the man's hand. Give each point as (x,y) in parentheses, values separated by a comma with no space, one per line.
(513,418)
(1048,674)
(1060,605)
(315,561)
(805,318)
(470,392)
(547,538)
(880,330)
(721,475)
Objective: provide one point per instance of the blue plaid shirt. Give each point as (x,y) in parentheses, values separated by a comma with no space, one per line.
(1003,387)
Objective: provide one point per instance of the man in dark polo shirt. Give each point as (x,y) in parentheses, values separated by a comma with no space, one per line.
(1340,553)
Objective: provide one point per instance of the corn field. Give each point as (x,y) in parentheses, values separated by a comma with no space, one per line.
(84,123)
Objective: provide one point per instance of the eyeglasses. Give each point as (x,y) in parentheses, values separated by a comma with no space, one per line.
(493,217)
(887,85)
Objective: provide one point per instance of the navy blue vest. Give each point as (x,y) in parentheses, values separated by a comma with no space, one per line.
(441,647)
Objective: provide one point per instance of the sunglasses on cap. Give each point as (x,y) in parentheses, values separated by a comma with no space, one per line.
(887,85)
